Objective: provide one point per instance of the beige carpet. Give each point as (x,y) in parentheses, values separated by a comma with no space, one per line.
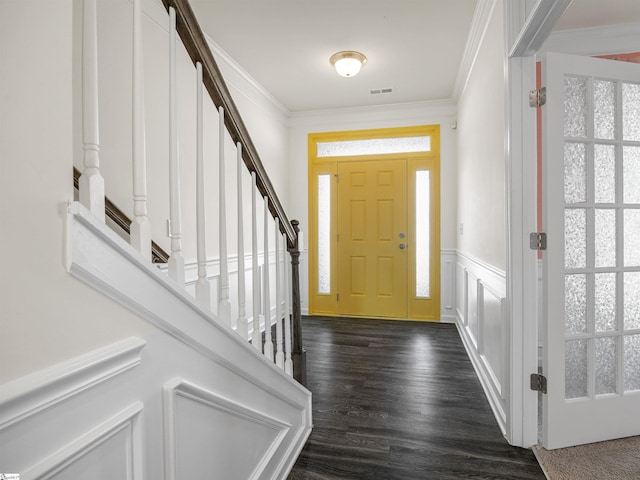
(616,459)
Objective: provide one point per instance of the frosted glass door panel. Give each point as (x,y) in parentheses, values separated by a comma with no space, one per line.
(631,172)
(604,159)
(632,362)
(575,173)
(631,112)
(575,238)
(605,237)
(591,213)
(606,362)
(575,307)
(631,300)
(575,107)
(605,299)
(631,238)
(576,361)
(604,106)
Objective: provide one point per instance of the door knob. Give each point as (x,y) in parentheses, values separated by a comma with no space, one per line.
(402,246)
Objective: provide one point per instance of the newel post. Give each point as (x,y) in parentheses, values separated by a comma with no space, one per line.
(299,355)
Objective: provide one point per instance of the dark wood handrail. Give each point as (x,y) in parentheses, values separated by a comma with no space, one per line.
(196,46)
(158,255)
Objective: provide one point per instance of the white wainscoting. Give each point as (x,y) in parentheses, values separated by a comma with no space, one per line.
(448,286)
(482,321)
(119,411)
(213,274)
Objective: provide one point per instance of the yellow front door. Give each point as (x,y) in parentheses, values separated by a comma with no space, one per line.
(372,230)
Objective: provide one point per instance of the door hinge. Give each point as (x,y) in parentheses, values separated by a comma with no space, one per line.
(337,297)
(538,382)
(538,98)
(538,241)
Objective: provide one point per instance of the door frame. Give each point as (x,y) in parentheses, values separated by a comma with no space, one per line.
(527,27)
(326,303)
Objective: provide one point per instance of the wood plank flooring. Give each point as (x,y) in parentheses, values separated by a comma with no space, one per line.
(399,400)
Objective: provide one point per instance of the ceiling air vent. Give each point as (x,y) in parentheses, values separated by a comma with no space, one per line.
(379,91)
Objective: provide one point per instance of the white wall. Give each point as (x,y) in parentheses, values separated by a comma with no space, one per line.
(46,316)
(263,117)
(481,147)
(481,300)
(441,113)
(89,388)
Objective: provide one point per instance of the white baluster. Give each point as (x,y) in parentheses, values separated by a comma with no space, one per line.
(140,233)
(241,326)
(91,183)
(224,306)
(288,364)
(256,337)
(176,260)
(268,342)
(203,287)
(279,352)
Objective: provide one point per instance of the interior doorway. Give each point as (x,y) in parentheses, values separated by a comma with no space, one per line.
(374,200)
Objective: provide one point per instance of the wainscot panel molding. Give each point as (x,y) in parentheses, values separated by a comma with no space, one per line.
(193,415)
(33,393)
(448,264)
(112,449)
(219,376)
(213,275)
(482,320)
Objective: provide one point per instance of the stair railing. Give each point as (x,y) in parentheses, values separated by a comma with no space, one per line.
(286,352)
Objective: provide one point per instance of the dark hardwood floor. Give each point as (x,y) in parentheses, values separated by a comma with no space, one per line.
(399,400)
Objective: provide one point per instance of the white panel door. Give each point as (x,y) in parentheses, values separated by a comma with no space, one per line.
(591,213)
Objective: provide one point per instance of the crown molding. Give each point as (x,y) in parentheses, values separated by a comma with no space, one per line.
(435,108)
(479,24)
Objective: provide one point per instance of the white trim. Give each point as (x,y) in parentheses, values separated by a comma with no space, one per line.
(29,395)
(99,257)
(190,391)
(128,419)
(477,31)
(537,27)
(448,261)
(445,107)
(496,276)
(479,280)
(521,218)
(594,41)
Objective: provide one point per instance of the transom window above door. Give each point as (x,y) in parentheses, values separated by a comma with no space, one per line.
(373,146)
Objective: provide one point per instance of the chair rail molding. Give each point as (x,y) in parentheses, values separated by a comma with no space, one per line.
(29,395)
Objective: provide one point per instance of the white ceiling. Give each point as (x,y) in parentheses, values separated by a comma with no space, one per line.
(413,46)
(597,13)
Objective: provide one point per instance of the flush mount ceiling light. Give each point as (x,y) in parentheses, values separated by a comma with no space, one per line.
(348,63)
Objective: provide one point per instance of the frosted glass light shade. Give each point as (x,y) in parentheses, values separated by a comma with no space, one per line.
(348,63)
